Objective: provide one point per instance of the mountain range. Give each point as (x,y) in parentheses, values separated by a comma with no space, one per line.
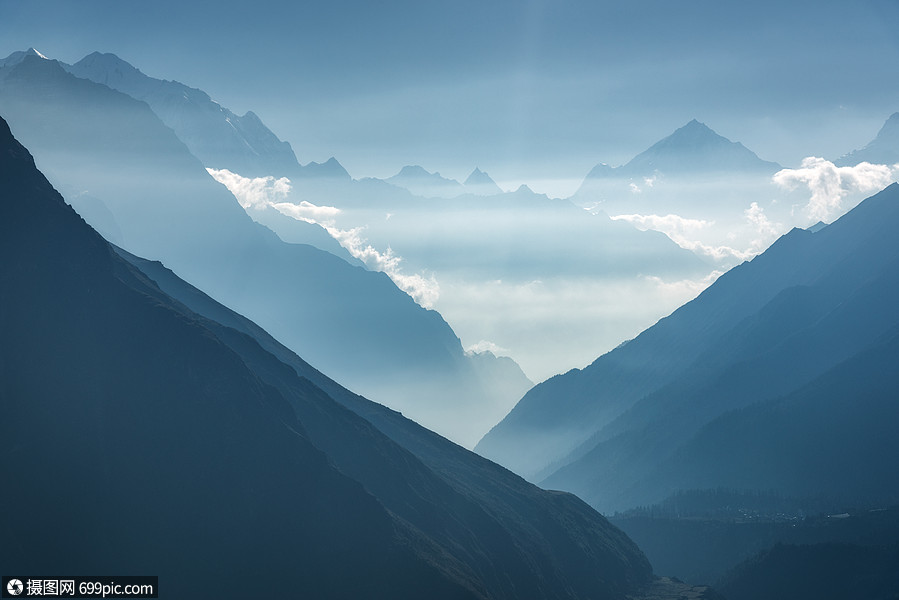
(157,200)
(518,239)
(215,135)
(775,378)
(179,438)
(710,194)
(433,185)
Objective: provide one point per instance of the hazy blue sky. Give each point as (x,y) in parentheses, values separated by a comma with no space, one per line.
(528,90)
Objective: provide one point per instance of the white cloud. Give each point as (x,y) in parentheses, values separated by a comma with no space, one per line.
(565,322)
(424,290)
(487,346)
(767,230)
(260,192)
(683,232)
(257,192)
(668,224)
(829,184)
(306,211)
(688,288)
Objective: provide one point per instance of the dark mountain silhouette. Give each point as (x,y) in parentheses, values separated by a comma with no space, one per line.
(835,429)
(168,436)
(132,428)
(803,326)
(816,572)
(701,548)
(481,184)
(355,324)
(882,150)
(426,184)
(214,134)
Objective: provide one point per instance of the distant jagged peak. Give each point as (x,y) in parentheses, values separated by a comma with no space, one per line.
(479,182)
(883,149)
(19,55)
(478,176)
(601,170)
(251,116)
(694,148)
(421,182)
(414,171)
(112,71)
(890,129)
(695,133)
(105,59)
(419,172)
(331,169)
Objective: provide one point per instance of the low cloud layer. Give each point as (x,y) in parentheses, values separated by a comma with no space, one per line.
(552,325)
(424,290)
(830,184)
(486,346)
(262,192)
(253,193)
(306,211)
(684,233)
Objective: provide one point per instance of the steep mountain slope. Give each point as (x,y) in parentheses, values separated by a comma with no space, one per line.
(763,330)
(153,446)
(711,195)
(824,332)
(833,438)
(214,134)
(354,323)
(167,441)
(882,150)
(489,507)
(515,240)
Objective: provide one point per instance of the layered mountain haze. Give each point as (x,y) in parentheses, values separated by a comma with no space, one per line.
(550,300)
(177,437)
(712,196)
(214,134)
(426,184)
(433,185)
(493,297)
(500,268)
(789,350)
(354,323)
